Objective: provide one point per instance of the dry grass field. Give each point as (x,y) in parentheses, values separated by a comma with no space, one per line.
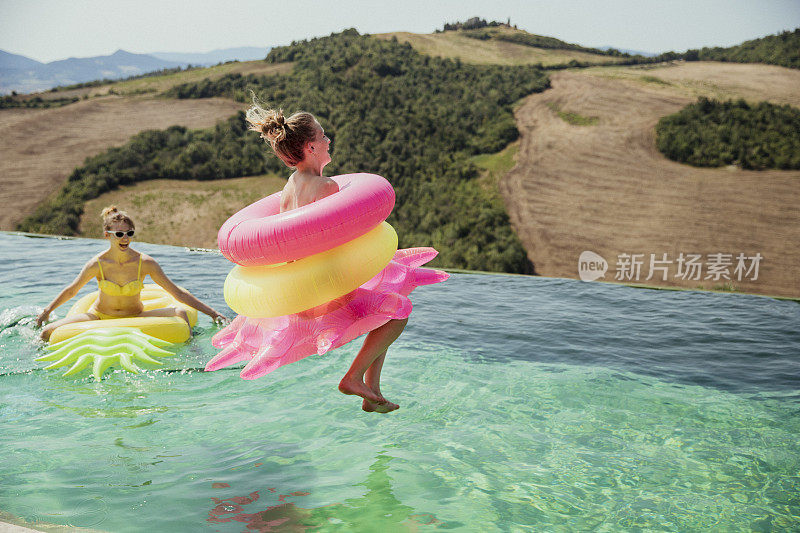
(180,213)
(41,147)
(607,189)
(753,82)
(157,84)
(455,45)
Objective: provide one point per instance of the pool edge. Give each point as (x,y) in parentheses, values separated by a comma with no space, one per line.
(795,299)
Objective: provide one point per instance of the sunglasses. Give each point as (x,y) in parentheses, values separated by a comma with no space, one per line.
(121,234)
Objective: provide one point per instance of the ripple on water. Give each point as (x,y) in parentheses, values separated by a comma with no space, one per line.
(524,401)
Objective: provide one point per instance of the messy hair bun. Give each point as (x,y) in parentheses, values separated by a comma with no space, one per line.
(112,214)
(287,136)
(269,122)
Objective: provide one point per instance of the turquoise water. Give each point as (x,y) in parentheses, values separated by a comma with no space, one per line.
(526,403)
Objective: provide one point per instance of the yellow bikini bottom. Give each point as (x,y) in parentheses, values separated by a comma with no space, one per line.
(169,328)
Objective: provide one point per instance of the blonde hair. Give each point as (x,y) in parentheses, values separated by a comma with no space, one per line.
(287,136)
(112,214)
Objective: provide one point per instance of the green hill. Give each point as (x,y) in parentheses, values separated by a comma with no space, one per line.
(535,41)
(782,49)
(478,28)
(502,45)
(415,119)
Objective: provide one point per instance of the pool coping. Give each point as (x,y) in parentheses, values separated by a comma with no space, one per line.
(11,524)
(795,299)
(10,527)
(6,527)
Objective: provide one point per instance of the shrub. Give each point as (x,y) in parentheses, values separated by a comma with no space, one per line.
(710,133)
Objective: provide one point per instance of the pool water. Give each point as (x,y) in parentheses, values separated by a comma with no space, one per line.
(526,404)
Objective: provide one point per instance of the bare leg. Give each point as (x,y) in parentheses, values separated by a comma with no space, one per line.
(179,312)
(48,329)
(374,348)
(372,378)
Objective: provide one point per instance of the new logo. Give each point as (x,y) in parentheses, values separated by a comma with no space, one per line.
(591,266)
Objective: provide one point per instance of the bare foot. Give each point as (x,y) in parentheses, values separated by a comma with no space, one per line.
(358,388)
(371,407)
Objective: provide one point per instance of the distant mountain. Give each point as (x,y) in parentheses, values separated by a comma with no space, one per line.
(9,60)
(120,64)
(213,57)
(628,51)
(24,75)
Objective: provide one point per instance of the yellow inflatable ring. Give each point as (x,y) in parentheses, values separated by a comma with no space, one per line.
(287,288)
(168,328)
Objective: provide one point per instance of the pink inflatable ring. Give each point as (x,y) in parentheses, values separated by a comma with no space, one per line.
(260,234)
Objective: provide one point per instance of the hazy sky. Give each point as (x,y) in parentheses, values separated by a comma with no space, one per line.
(47,30)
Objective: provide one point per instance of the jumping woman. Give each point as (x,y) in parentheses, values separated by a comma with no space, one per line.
(300,142)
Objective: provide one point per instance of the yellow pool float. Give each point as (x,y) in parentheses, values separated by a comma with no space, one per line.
(118,341)
(169,328)
(286,288)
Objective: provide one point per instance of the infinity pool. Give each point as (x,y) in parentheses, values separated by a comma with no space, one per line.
(526,404)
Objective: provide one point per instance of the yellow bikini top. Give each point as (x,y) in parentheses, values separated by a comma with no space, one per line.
(129,289)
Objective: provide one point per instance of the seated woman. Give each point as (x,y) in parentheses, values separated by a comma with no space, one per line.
(120,273)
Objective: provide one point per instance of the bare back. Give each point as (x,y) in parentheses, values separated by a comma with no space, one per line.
(302,190)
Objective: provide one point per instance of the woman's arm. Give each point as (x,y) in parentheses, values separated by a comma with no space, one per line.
(151,267)
(89,271)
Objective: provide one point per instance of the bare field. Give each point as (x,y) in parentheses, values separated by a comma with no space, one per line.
(180,212)
(41,147)
(723,81)
(158,84)
(607,189)
(455,45)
